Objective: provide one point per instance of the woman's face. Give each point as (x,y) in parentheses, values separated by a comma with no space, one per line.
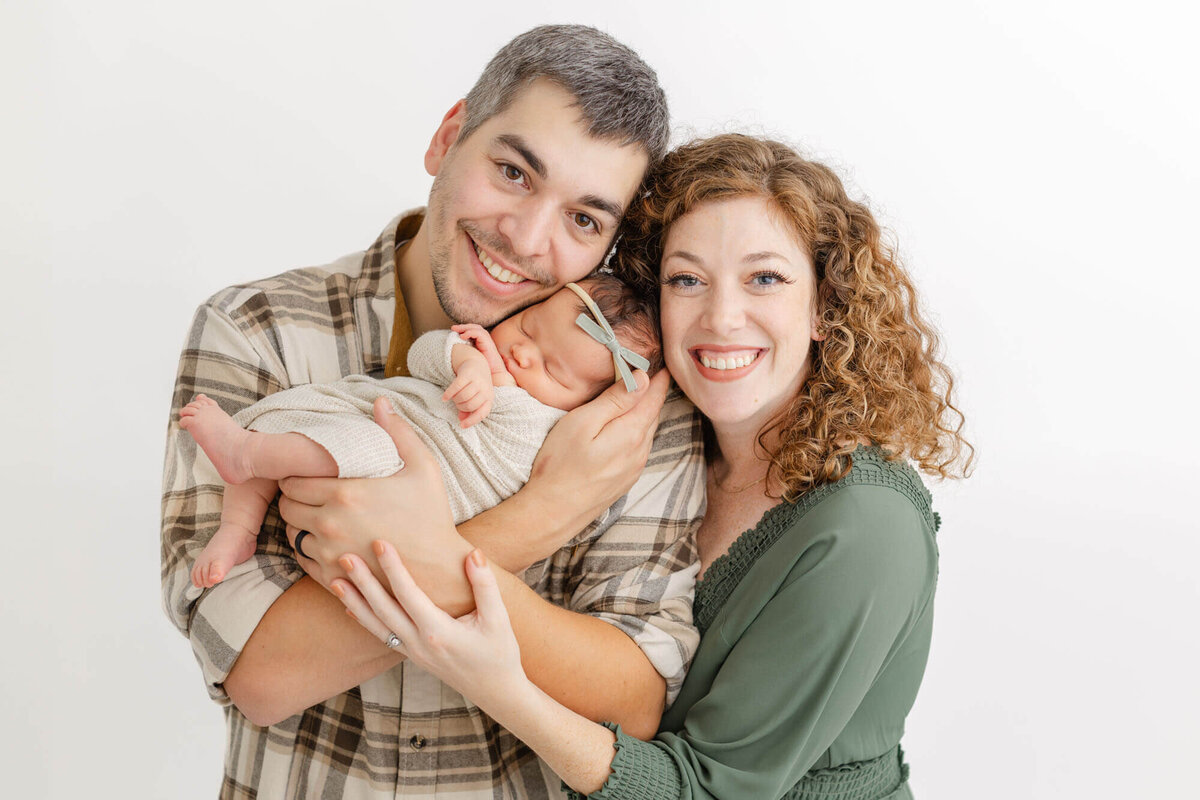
(738,311)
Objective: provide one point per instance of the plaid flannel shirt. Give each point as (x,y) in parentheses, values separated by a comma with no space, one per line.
(403,733)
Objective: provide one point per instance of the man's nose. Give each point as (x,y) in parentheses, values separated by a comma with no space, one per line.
(529,228)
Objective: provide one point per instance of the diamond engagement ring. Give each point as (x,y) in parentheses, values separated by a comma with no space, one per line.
(393,641)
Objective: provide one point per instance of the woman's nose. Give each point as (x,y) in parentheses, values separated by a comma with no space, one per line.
(724,313)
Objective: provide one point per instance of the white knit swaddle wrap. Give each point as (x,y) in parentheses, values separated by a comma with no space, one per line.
(481,465)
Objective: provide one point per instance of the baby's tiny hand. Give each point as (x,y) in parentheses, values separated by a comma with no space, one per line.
(482,340)
(472,391)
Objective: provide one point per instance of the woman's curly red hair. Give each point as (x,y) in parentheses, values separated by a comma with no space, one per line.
(877,376)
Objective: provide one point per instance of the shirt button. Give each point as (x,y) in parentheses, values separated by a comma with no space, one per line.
(417,741)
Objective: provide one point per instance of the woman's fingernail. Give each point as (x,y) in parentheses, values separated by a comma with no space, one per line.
(377,546)
(347,563)
(477,557)
(338,590)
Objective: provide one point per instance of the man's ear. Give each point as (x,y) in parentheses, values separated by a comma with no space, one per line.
(445,136)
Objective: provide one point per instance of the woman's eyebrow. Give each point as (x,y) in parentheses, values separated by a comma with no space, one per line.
(763,255)
(685,255)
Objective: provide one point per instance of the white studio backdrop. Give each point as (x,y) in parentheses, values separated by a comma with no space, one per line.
(1036,160)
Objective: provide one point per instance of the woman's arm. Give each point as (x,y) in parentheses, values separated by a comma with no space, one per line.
(479,656)
(847,591)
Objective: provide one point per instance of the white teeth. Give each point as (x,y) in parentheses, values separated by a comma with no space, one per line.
(727,363)
(497,272)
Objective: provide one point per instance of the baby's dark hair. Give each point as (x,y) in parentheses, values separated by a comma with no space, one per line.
(633,315)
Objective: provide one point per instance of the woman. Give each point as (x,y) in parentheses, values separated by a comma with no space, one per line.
(791,326)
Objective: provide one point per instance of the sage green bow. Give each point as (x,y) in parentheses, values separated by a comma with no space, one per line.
(623,357)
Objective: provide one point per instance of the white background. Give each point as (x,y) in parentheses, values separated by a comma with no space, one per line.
(1036,159)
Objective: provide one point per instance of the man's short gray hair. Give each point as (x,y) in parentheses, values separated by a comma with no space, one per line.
(617,94)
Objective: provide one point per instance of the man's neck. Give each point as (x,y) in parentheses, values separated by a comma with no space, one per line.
(416,283)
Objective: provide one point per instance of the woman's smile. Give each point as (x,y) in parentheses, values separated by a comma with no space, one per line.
(738,310)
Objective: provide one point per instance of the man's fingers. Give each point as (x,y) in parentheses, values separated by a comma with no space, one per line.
(298,516)
(641,407)
(408,444)
(308,491)
(649,403)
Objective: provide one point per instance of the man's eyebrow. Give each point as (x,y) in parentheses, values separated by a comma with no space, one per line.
(615,210)
(519,146)
(516,143)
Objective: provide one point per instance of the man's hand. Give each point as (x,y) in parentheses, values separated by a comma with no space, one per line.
(596,452)
(408,509)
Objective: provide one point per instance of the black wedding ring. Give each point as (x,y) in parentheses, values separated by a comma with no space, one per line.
(299,540)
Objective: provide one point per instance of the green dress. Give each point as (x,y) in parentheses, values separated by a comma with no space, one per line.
(815,632)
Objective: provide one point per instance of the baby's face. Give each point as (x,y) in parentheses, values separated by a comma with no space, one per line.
(550,356)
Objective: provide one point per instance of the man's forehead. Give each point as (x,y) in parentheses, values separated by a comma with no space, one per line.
(543,126)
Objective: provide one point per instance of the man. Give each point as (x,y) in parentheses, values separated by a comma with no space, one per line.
(532,174)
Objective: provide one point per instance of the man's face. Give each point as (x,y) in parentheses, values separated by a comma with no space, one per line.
(526,203)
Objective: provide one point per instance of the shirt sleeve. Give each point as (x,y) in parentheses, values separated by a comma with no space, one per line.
(234,364)
(803,664)
(636,567)
(429,357)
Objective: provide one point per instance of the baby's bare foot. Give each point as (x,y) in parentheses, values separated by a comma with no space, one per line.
(230,545)
(224,441)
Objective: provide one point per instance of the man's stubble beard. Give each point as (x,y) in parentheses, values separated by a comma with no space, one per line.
(441,197)
(439,253)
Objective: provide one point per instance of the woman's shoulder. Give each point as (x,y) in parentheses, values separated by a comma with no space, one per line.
(874,527)
(876,483)
(875,524)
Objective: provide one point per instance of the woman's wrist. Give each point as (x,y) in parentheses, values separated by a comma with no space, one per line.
(578,750)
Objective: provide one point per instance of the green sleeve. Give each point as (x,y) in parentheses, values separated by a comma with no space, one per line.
(854,575)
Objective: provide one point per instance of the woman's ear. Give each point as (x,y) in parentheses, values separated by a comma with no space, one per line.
(445,137)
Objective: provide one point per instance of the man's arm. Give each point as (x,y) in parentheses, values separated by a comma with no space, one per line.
(561,646)
(235,366)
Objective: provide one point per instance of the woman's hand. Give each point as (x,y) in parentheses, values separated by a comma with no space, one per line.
(408,509)
(477,654)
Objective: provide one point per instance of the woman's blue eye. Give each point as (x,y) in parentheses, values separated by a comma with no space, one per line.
(768,279)
(682,280)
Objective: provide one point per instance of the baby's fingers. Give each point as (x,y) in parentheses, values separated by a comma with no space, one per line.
(456,387)
(467,418)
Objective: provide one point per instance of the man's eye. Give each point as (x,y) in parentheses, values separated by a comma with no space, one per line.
(512,173)
(585,222)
